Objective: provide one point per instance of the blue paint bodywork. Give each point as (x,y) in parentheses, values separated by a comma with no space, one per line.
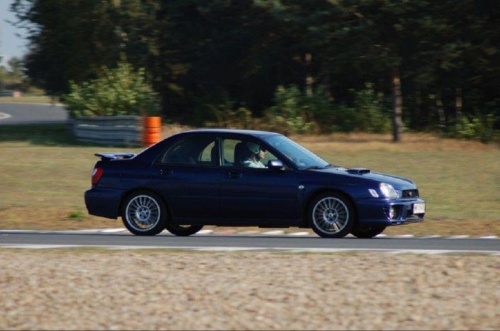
(211,194)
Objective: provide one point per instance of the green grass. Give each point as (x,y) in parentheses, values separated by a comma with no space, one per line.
(44,172)
(29,99)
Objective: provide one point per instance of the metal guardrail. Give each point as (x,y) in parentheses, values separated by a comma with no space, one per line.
(6,93)
(112,130)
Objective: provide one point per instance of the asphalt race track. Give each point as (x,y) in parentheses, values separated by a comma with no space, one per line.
(43,113)
(429,245)
(23,113)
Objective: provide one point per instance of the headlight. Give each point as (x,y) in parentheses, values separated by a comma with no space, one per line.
(388,191)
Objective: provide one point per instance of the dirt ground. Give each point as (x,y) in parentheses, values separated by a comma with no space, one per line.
(151,289)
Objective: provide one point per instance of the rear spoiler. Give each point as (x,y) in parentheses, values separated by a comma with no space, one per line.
(114,156)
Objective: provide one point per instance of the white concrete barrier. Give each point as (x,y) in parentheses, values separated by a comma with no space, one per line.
(109,130)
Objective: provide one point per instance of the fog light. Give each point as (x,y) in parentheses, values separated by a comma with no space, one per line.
(392,213)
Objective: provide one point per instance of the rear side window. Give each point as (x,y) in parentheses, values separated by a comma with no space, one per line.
(196,150)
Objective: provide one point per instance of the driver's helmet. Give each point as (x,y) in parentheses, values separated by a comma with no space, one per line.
(253,147)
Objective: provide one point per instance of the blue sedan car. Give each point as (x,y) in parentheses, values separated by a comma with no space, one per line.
(245,178)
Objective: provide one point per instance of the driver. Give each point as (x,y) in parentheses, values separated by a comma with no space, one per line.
(256,153)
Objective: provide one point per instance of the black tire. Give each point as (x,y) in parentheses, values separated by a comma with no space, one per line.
(331,215)
(144,213)
(368,232)
(183,230)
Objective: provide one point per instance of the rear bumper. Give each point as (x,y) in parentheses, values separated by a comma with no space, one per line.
(378,212)
(103,202)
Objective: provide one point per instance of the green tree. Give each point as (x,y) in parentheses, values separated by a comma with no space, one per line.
(69,40)
(16,67)
(119,91)
(435,63)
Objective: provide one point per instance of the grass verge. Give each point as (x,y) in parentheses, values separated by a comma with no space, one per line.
(44,172)
(29,99)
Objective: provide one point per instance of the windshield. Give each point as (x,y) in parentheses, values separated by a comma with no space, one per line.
(298,155)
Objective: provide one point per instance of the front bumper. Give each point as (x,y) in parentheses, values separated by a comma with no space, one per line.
(388,212)
(103,202)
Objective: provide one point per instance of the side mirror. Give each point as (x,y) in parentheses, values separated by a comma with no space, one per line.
(275,164)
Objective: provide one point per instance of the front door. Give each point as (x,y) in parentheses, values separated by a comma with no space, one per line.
(255,195)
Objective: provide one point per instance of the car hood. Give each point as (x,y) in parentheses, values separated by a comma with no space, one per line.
(399,183)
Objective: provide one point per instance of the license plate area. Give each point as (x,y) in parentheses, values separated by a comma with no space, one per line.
(419,208)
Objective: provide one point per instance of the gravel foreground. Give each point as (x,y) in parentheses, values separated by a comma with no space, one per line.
(151,289)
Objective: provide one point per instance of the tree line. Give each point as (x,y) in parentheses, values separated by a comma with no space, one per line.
(328,65)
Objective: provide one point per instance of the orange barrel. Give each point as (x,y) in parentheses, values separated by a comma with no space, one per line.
(151,130)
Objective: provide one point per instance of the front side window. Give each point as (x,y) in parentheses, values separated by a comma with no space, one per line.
(244,153)
(197,150)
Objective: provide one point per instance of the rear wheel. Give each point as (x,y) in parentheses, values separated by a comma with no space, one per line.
(183,230)
(331,215)
(368,232)
(144,214)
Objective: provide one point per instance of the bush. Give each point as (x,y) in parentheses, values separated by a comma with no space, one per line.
(478,127)
(120,91)
(321,110)
(241,118)
(294,112)
(291,111)
(371,116)
(218,110)
(367,113)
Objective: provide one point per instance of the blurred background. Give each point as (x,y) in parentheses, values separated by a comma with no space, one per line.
(345,78)
(316,66)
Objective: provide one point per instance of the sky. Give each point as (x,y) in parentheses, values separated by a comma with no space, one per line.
(10,44)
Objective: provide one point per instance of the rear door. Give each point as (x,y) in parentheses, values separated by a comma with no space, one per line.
(187,175)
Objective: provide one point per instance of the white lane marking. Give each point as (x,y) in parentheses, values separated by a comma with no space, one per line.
(241,249)
(404,236)
(423,251)
(274,233)
(4,116)
(205,232)
(298,234)
(113,230)
(227,249)
(463,236)
(36,246)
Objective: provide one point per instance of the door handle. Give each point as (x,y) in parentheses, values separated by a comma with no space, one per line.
(234,174)
(166,172)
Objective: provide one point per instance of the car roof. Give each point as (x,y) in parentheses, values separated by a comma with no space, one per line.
(152,151)
(255,133)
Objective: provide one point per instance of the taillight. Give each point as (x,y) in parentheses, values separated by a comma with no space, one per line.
(96,175)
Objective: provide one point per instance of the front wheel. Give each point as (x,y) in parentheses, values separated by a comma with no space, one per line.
(331,215)
(183,230)
(144,214)
(368,232)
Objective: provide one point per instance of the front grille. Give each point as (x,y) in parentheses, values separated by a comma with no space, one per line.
(410,193)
